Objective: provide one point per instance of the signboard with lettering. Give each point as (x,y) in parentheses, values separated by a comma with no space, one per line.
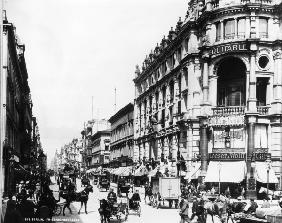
(227,120)
(261,156)
(227,156)
(228,48)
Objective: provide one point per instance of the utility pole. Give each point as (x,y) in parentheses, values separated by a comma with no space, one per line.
(92,108)
(2,130)
(115,105)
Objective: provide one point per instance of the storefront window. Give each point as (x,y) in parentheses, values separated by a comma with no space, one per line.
(229,29)
(263,28)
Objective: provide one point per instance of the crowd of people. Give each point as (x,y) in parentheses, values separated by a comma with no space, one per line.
(204,202)
(26,204)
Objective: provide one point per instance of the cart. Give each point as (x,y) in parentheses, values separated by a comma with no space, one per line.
(165,189)
(104,183)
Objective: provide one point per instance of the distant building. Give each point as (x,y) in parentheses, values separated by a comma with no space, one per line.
(100,148)
(122,153)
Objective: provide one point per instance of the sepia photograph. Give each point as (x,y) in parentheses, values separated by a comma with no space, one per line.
(130,111)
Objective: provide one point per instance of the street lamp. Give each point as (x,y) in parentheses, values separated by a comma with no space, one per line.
(219,169)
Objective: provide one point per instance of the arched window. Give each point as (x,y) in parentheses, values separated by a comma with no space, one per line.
(231,82)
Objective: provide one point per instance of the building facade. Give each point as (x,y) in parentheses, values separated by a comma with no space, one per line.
(100,148)
(19,150)
(91,127)
(122,131)
(212,91)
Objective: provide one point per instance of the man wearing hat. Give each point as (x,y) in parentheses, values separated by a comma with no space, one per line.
(184,210)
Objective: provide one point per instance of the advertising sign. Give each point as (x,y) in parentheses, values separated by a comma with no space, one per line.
(227,156)
(225,48)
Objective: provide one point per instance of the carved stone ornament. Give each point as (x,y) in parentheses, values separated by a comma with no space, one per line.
(277,54)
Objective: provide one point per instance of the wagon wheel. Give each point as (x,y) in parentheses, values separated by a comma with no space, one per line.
(57,210)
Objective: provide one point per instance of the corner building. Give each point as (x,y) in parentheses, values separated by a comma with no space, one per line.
(211,93)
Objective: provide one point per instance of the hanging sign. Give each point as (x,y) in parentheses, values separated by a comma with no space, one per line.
(225,48)
(235,120)
(227,156)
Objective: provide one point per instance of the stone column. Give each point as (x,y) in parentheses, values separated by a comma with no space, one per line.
(160,109)
(236,28)
(175,100)
(206,82)
(190,144)
(147,149)
(183,87)
(167,106)
(141,150)
(248,27)
(136,155)
(204,145)
(190,87)
(143,118)
(277,82)
(251,192)
(159,141)
(252,85)
(174,148)
(213,90)
(166,148)
(221,31)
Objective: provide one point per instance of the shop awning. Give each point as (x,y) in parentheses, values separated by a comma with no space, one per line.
(141,171)
(261,173)
(126,171)
(193,173)
(232,172)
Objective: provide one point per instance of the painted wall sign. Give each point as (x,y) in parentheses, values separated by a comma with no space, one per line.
(227,156)
(231,47)
(235,120)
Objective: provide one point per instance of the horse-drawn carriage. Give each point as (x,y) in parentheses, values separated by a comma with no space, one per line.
(165,189)
(104,182)
(113,210)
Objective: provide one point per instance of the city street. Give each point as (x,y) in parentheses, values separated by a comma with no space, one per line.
(148,213)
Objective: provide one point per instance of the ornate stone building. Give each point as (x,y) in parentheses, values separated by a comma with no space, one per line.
(212,90)
(122,137)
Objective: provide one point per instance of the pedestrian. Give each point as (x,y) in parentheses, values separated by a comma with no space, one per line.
(12,215)
(26,208)
(184,210)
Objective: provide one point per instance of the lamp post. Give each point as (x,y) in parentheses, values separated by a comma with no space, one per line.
(219,169)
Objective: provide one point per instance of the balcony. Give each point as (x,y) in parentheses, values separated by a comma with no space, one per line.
(263,110)
(231,110)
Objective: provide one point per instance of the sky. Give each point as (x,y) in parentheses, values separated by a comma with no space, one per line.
(79,49)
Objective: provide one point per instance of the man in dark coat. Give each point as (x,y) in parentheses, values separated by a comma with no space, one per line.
(12,215)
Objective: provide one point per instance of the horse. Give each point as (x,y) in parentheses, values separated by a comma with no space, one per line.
(104,211)
(81,197)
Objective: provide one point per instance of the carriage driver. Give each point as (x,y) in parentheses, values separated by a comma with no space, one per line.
(112,197)
(134,199)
